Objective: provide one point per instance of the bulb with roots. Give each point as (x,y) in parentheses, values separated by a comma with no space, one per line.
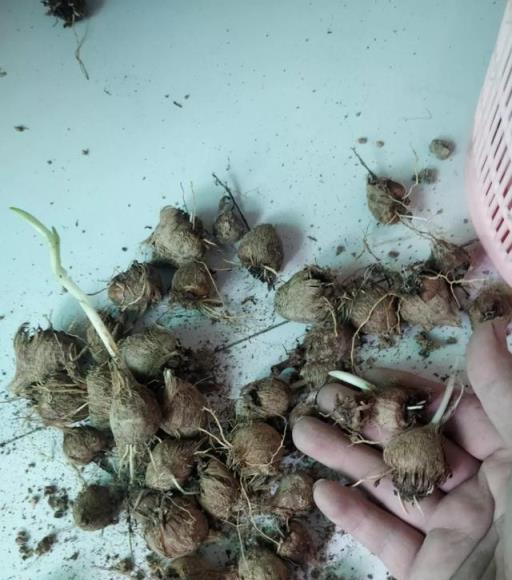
(391,409)
(416,457)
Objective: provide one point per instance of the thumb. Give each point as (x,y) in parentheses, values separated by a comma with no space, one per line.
(489,368)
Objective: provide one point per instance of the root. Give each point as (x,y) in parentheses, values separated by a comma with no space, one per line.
(360,159)
(77,410)
(174,480)
(452,283)
(135,300)
(271,270)
(194,210)
(361,326)
(375,478)
(251,517)
(242,549)
(219,295)
(226,188)
(332,312)
(452,407)
(281,446)
(402,505)
(79,44)
(23,435)
(417,505)
(131,463)
(225,442)
(368,248)
(181,508)
(404,220)
(416,176)
(359,440)
(276,452)
(440,416)
(215,438)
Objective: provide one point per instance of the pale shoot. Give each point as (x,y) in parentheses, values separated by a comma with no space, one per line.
(353,380)
(53,240)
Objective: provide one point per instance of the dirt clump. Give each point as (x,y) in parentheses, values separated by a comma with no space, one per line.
(441,148)
(96,507)
(70,11)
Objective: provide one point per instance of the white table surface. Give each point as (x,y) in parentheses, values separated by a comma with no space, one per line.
(273,95)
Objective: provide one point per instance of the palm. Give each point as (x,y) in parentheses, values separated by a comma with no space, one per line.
(454,532)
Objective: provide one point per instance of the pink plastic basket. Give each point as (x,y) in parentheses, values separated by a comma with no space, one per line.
(489,165)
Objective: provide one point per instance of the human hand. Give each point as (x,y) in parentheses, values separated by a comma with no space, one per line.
(461,530)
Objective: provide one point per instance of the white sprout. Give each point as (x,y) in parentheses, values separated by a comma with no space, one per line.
(443,405)
(353,380)
(53,239)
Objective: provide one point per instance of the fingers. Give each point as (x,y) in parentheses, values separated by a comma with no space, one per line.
(469,427)
(489,367)
(329,446)
(462,465)
(455,534)
(390,539)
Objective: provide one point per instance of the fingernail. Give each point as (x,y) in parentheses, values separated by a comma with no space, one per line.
(318,393)
(317,482)
(298,420)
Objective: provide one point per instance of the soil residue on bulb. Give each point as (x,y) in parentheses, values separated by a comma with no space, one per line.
(431,304)
(371,302)
(261,253)
(182,406)
(136,289)
(178,237)
(228,227)
(307,297)
(417,462)
(492,302)
(193,286)
(41,354)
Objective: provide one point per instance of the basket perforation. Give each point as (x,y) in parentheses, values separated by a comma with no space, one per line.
(489,167)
